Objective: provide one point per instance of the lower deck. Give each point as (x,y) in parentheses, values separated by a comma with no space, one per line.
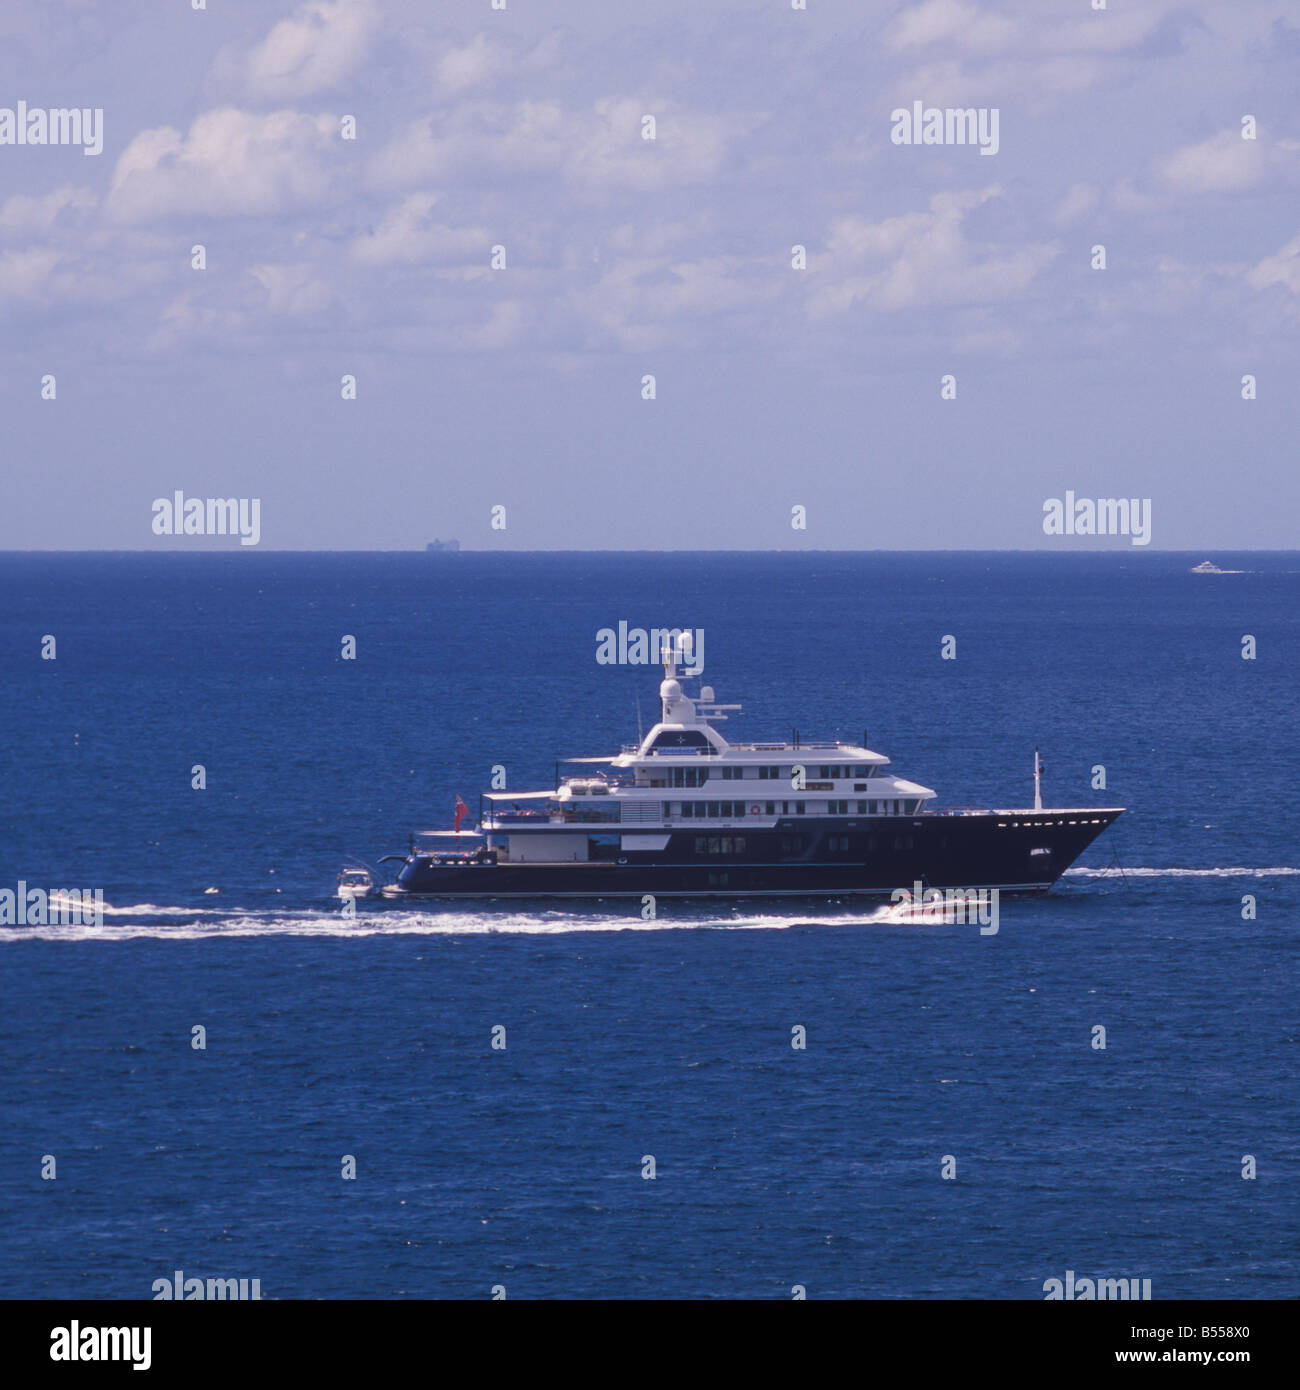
(1023,851)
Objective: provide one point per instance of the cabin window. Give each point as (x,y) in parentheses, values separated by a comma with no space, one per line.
(668,809)
(671,740)
(838,808)
(771,808)
(798,808)
(862,808)
(791,844)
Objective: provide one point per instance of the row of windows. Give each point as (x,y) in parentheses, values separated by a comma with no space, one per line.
(726,810)
(734,810)
(783,773)
(793,844)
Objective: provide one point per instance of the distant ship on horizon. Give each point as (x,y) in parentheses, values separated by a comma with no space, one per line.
(1207,567)
(442,547)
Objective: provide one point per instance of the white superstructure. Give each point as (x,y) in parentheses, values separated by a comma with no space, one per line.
(684,773)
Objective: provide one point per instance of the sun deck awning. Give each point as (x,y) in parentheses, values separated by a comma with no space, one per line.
(518,796)
(611,758)
(472,834)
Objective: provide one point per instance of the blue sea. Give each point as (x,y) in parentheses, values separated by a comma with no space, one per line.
(930,1047)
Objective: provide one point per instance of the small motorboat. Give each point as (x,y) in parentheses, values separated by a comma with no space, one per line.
(356,883)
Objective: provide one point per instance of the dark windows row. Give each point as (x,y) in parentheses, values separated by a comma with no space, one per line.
(735,810)
(724,810)
(719,844)
(687,776)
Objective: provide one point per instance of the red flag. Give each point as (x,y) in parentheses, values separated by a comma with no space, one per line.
(461,812)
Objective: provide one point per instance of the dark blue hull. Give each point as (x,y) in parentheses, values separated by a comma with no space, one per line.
(1014,851)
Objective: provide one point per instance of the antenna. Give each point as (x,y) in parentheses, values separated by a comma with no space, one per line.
(1038,786)
(640,736)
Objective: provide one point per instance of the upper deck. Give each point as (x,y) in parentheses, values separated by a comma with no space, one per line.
(727,782)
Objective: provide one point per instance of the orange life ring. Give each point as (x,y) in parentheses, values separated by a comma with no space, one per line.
(755,810)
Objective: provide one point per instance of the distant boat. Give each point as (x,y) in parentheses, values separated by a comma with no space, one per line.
(442,547)
(1206,567)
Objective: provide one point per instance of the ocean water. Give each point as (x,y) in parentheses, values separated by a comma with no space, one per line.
(523,1167)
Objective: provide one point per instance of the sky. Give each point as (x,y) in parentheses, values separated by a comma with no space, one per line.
(517,392)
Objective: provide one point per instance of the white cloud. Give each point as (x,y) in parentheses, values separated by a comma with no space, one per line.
(920,258)
(292,289)
(601,147)
(25,273)
(1079,199)
(231,163)
(24,215)
(1023,51)
(1223,164)
(467,67)
(1282,268)
(956,21)
(409,234)
(321,43)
